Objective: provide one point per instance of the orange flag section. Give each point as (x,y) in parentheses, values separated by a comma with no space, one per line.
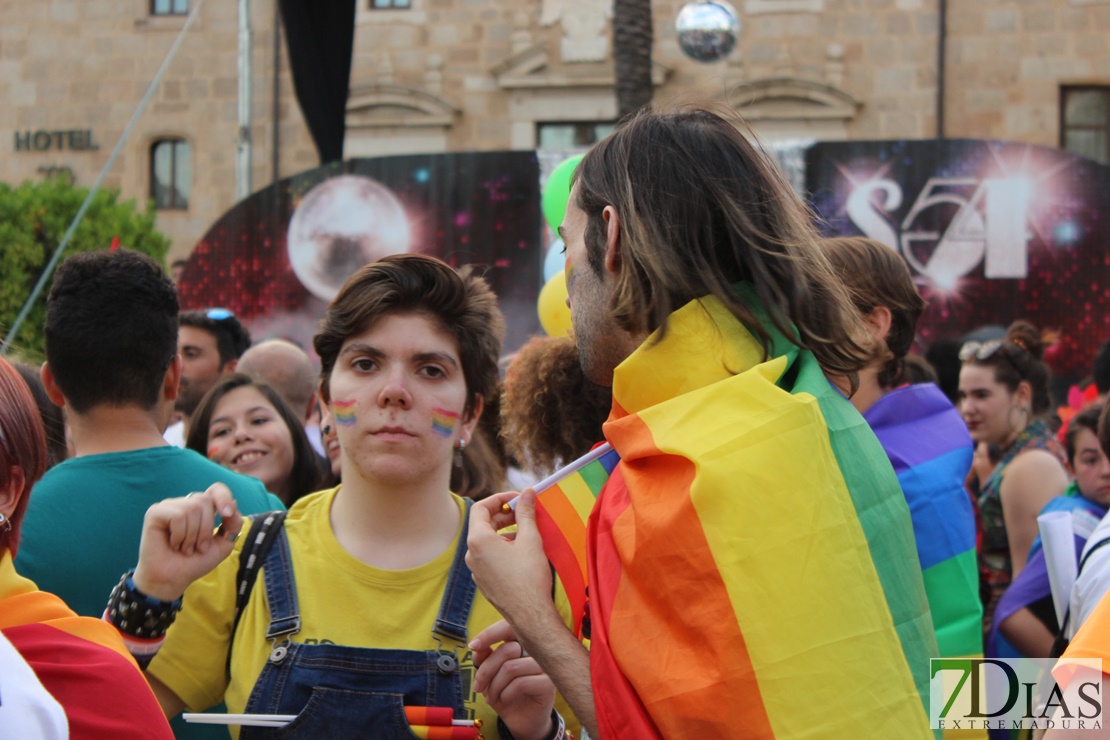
(562,510)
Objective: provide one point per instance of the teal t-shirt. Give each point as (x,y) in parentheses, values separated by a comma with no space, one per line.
(85,518)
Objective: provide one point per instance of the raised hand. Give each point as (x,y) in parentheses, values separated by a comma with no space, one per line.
(180,543)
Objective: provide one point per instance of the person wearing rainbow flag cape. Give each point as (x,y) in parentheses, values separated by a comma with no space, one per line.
(751,560)
(923,435)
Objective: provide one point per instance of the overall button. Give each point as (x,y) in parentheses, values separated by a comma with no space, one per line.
(447,663)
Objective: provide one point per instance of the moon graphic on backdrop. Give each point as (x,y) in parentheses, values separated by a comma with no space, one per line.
(342,224)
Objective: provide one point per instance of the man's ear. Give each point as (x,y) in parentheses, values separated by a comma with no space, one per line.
(51,385)
(172,382)
(229,366)
(612,221)
(879,320)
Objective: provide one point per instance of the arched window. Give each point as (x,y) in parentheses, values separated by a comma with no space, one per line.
(171,173)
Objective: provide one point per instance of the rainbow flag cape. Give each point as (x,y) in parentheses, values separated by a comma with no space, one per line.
(752,564)
(561,513)
(80,661)
(928,445)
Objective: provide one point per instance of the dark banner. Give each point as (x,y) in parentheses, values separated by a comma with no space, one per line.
(277,258)
(320,37)
(993,232)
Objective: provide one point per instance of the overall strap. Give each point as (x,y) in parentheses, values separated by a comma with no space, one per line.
(454,610)
(281,590)
(262,534)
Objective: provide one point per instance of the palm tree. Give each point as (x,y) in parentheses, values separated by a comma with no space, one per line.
(632,40)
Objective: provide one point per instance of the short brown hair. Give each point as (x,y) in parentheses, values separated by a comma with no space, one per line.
(461,302)
(877,276)
(1087,419)
(701,209)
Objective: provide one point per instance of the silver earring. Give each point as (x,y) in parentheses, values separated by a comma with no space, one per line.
(459,451)
(5,524)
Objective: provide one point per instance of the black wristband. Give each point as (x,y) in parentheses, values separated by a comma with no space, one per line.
(559,733)
(135,614)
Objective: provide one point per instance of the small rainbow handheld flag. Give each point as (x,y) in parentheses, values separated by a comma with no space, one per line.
(561,515)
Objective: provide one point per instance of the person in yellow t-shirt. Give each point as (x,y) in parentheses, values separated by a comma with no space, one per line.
(364,605)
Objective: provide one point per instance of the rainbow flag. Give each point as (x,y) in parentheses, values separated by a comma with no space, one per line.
(80,661)
(561,514)
(928,445)
(751,559)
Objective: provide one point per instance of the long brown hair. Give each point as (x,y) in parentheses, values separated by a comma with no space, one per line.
(701,208)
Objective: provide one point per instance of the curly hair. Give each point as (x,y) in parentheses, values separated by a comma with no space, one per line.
(551,413)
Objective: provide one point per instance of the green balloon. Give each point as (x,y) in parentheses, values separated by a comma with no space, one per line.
(557,191)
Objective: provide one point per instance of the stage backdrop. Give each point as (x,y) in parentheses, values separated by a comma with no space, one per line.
(277,258)
(993,231)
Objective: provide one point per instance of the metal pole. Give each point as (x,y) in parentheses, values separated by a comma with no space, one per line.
(56,257)
(243,145)
(942,38)
(275,161)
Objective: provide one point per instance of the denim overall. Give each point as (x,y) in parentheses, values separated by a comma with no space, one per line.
(354,692)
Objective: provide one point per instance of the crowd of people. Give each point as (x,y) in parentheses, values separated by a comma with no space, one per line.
(800,518)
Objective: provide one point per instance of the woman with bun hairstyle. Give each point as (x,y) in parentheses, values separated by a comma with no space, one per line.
(1003,399)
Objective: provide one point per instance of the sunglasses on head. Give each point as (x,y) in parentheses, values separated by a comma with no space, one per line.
(985,350)
(980,350)
(219,314)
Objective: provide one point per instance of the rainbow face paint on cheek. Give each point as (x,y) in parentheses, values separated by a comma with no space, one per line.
(213,454)
(444,422)
(344,412)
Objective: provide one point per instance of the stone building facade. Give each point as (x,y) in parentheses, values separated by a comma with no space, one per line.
(450,75)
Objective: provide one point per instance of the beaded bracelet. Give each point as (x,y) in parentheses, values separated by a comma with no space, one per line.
(559,733)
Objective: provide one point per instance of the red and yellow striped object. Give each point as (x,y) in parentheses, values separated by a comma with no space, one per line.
(561,514)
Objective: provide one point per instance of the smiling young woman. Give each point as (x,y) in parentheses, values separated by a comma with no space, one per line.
(245,426)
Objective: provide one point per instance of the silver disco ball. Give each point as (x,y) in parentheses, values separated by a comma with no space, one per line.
(340,225)
(707,30)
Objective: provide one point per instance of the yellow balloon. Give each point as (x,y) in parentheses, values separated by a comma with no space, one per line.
(552,306)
